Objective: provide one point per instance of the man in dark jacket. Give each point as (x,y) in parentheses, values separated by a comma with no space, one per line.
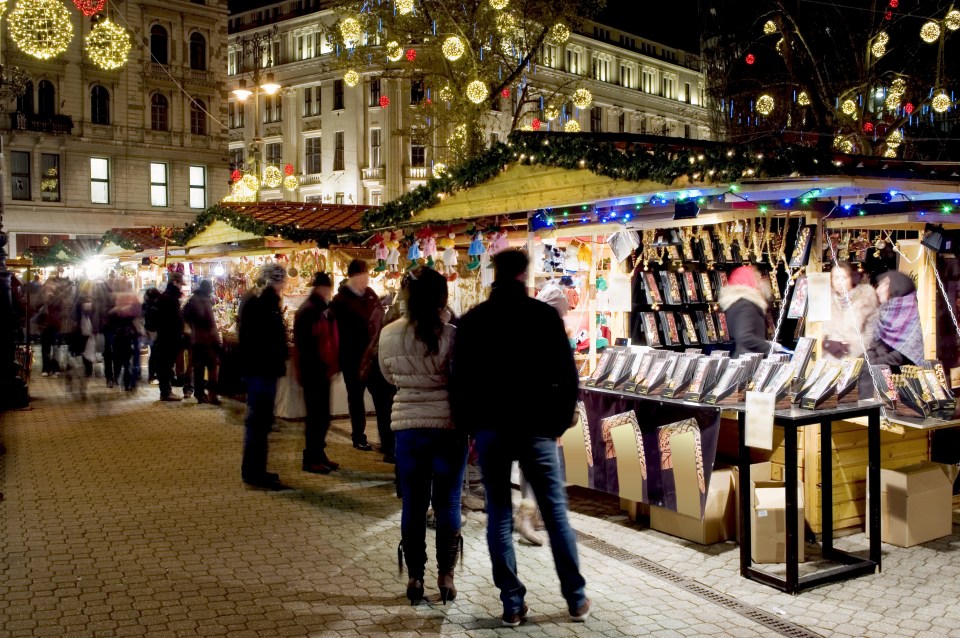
(353,307)
(315,337)
(263,353)
(169,342)
(204,342)
(539,400)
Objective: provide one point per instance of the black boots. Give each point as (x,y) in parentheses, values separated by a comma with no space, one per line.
(416,555)
(448,546)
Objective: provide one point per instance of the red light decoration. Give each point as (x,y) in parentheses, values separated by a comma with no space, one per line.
(750,59)
(384,101)
(411,55)
(868,127)
(894,4)
(505,92)
(888,15)
(236,176)
(90,7)
(908,108)
(535,124)
(288,169)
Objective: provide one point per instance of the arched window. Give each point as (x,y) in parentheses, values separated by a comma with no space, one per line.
(198,117)
(159,113)
(99,105)
(25,100)
(159,42)
(198,52)
(46,98)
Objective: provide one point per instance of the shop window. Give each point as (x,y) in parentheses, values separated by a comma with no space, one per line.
(99,180)
(20,174)
(198,187)
(50,177)
(158,184)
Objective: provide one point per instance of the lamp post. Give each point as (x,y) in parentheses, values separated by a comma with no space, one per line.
(260,48)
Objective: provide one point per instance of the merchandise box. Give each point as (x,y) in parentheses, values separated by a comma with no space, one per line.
(916,503)
(718,523)
(768,515)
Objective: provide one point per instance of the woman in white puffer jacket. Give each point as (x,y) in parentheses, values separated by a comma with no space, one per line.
(415,355)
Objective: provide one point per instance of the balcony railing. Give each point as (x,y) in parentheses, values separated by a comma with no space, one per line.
(197,76)
(373,173)
(417,172)
(312,178)
(57,124)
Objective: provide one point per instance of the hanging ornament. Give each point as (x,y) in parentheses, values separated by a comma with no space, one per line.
(780,44)
(477,92)
(582,98)
(572,126)
(445,94)
(90,7)
(890,152)
(551,113)
(453,48)
(930,32)
(535,124)
(765,105)
(236,176)
(892,101)
(941,102)
(505,92)
(849,107)
(894,4)
(250,181)
(291,183)
(394,51)
(499,5)
(898,86)
(843,144)
(769,27)
(895,138)
(41,28)
(879,49)
(404,7)
(411,55)
(750,59)
(439,169)
(868,127)
(888,15)
(558,34)
(272,177)
(952,20)
(506,23)
(351,31)
(288,169)
(882,38)
(384,101)
(108,45)
(803,99)
(908,108)
(351,78)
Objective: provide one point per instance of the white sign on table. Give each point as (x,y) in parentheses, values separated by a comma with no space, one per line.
(759,424)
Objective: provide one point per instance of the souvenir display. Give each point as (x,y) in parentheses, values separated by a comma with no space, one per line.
(810,380)
(689,329)
(847,384)
(802,354)
(706,244)
(668,321)
(650,331)
(690,294)
(655,377)
(651,289)
(704,377)
(823,389)
(676,385)
(604,367)
(765,371)
(643,366)
(621,369)
(798,304)
(671,288)
(727,385)
(801,251)
(779,384)
(706,286)
(883,384)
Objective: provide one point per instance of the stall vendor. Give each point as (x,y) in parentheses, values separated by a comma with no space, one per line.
(899,337)
(853,319)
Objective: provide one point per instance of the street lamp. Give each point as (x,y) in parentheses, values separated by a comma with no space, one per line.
(259,47)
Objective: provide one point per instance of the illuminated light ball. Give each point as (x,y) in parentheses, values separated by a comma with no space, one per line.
(572,126)
(505,92)
(849,107)
(878,93)
(846,146)
(895,138)
(890,152)
(883,38)
(888,15)
(477,92)
(898,86)
(411,55)
(750,59)
(879,49)
(90,7)
(404,7)
(893,101)
(908,108)
(291,183)
(288,169)
(499,5)
(868,127)
(394,51)
(941,102)
(506,23)
(952,20)
(582,98)
(769,27)
(765,104)
(803,99)
(439,169)
(894,4)
(536,124)
(351,78)
(272,177)
(250,181)
(236,176)
(384,101)
(526,127)
(351,31)
(453,48)
(445,94)
(930,32)
(558,34)
(108,45)
(41,28)
(551,113)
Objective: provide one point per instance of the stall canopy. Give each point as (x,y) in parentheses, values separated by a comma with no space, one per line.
(64,252)
(137,242)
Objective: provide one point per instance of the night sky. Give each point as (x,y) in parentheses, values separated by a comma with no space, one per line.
(671,22)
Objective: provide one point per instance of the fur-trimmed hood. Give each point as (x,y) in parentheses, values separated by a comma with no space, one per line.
(730,295)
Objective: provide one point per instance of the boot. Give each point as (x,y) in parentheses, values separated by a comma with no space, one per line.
(416,557)
(525,524)
(448,546)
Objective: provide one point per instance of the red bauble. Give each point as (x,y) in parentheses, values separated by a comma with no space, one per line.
(288,169)
(750,59)
(505,92)
(888,15)
(908,108)
(384,101)
(90,7)
(411,54)
(868,127)
(535,124)
(894,4)
(236,176)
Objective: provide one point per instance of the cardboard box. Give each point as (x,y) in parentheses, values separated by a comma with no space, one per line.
(768,516)
(718,522)
(916,503)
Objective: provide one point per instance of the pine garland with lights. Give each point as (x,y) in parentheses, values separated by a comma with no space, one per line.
(236,218)
(127,243)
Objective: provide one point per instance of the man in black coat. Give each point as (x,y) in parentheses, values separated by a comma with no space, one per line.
(263,354)
(169,342)
(536,395)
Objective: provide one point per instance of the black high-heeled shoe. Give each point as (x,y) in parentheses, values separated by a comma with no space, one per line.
(415,590)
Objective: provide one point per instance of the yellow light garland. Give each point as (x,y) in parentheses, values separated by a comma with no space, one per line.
(803,99)
(843,144)
(572,126)
(394,51)
(895,138)
(879,49)
(351,31)
(453,48)
(272,177)
(477,92)
(890,152)
(351,78)
(765,104)
(930,32)
(404,7)
(892,101)
(558,34)
(291,183)
(582,98)
(108,45)
(941,102)
(41,28)
(439,169)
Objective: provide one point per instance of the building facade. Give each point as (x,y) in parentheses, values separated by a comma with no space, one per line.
(86,150)
(346,148)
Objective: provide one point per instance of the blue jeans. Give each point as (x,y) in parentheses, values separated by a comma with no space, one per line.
(431,464)
(538,458)
(261,395)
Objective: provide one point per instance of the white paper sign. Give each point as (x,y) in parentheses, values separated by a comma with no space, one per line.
(759,424)
(819,297)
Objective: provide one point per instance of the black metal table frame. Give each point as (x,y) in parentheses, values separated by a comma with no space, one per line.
(851,566)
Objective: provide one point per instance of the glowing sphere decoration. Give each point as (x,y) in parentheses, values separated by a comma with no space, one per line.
(499,5)
(506,23)
(883,38)
(384,101)
(582,98)
(908,108)
(878,49)
(351,78)
(572,126)
(41,28)
(952,21)
(108,45)
(892,101)
(291,183)
(868,127)
(894,4)
(895,138)
(394,51)
(888,15)
(803,99)
(505,92)
(849,107)
(843,144)
(453,48)
(890,152)
(90,7)
(251,182)
(351,31)
(535,124)
(288,169)
(750,59)
(272,177)
(930,32)
(445,94)
(898,86)
(439,169)
(551,113)
(769,27)
(236,176)
(411,55)
(765,105)
(941,102)
(558,34)
(526,127)
(477,92)
(404,7)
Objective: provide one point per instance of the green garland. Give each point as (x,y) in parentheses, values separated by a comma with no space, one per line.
(52,257)
(110,237)
(243,222)
(630,158)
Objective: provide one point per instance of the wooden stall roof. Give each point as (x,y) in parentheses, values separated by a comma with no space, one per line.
(306,216)
(147,239)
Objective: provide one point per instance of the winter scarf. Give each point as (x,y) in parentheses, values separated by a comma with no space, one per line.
(899,326)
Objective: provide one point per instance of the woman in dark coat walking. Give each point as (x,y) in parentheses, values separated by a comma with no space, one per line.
(898,340)
(745,304)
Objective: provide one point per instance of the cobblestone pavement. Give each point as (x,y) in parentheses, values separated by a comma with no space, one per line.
(123,516)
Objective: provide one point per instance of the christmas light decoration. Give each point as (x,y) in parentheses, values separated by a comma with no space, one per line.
(505,92)
(445,94)
(351,78)
(535,124)
(272,177)
(551,113)
(251,182)
(236,176)
(477,92)
(291,183)
(506,23)
(108,45)
(750,59)
(888,15)
(868,127)
(930,32)
(572,126)
(878,49)
(849,107)
(843,144)
(769,27)
(411,55)
(499,5)
(894,4)
(952,20)
(898,86)
(908,108)
(892,101)
(895,138)
(890,152)
(765,105)
(803,99)
(941,102)
(384,101)
(558,34)
(90,7)
(780,44)
(453,48)
(394,51)
(582,98)
(439,169)
(41,28)
(526,127)
(404,7)
(351,31)
(882,38)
